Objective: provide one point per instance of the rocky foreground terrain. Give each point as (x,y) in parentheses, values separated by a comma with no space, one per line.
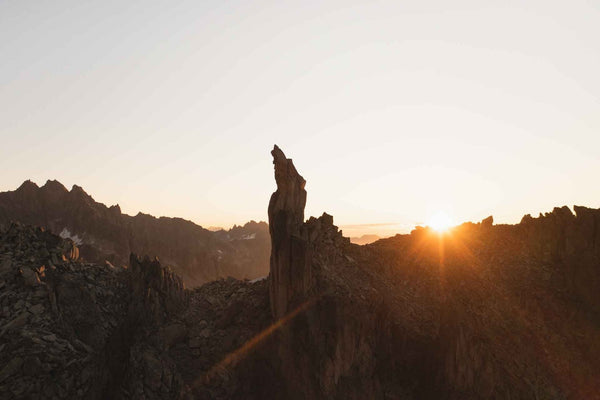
(482,312)
(104,233)
(71,330)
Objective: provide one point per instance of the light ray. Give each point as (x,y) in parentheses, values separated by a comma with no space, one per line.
(233,358)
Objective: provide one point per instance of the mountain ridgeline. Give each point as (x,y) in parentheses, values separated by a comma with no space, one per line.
(105,233)
(482,311)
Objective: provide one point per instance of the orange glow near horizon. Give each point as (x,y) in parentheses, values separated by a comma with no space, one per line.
(440,222)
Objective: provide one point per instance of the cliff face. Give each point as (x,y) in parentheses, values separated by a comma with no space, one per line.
(334,330)
(290,259)
(513,314)
(104,233)
(571,241)
(476,313)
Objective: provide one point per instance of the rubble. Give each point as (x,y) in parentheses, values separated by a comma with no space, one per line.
(65,325)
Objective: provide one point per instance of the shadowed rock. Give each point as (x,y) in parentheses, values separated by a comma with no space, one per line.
(290,259)
(158,289)
(103,233)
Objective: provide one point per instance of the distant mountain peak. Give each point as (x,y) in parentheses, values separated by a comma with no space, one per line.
(28,184)
(105,233)
(54,186)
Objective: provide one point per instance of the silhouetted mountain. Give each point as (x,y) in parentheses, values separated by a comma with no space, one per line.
(484,311)
(364,239)
(481,312)
(104,233)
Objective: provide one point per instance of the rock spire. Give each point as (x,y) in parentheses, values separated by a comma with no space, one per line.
(290,260)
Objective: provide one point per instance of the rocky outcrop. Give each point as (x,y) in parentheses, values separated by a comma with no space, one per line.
(104,233)
(290,270)
(158,289)
(70,329)
(571,241)
(487,222)
(432,316)
(333,327)
(58,318)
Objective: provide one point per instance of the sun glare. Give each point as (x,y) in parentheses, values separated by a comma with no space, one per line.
(440,222)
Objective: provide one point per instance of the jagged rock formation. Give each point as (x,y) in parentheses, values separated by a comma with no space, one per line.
(477,313)
(482,312)
(218,344)
(66,327)
(104,233)
(571,241)
(290,259)
(510,321)
(57,319)
(160,290)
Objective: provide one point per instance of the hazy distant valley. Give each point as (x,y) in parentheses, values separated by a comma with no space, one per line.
(364,239)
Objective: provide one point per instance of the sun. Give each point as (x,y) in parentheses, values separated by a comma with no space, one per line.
(440,222)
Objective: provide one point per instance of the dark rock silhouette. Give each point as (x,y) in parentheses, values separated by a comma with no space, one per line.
(104,233)
(290,271)
(159,289)
(482,312)
(78,331)
(571,241)
(487,222)
(427,316)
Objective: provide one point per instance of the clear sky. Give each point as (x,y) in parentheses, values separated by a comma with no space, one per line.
(392,111)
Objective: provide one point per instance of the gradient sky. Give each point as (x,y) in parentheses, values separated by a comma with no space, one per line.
(392,111)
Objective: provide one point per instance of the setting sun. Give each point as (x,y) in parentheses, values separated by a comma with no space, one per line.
(440,222)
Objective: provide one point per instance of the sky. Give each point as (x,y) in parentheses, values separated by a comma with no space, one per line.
(393,111)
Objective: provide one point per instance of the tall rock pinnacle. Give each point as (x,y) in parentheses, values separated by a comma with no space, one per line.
(290,261)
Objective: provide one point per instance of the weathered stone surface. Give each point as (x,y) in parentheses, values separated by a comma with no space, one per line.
(173,334)
(12,367)
(37,309)
(388,325)
(160,290)
(66,330)
(290,270)
(30,277)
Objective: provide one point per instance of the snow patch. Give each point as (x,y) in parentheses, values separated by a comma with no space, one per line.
(262,278)
(66,234)
(249,236)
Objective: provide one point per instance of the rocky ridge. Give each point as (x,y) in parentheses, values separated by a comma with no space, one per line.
(104,233)
(483,312)
(476,313)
